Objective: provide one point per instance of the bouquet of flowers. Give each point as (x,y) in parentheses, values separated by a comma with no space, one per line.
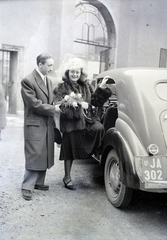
(74,100)
(73,105)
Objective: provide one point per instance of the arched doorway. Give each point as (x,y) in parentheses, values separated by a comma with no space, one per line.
(94,36)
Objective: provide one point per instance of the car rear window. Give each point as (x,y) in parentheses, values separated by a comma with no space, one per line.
(161,90)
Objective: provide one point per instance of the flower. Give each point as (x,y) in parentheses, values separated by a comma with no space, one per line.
(79,95)
(72,94)
(84,105)
(74,104)
(74,100)
(66,98)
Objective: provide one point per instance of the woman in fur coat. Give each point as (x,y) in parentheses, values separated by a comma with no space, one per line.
(82,136)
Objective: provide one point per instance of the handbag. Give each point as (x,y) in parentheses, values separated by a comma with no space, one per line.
(57,136)
(90,114)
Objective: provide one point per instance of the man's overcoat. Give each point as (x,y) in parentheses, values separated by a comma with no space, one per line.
(38,122)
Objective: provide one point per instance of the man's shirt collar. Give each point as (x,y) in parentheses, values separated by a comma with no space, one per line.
(42,76)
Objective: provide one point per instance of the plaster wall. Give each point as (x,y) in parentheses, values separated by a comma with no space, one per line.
(48,26)
(33,27)
(36,25)
(140,31)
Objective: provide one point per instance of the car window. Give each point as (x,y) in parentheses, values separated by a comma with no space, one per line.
(161,90)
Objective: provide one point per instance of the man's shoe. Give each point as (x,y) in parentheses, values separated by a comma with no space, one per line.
(42,187)
(26,194)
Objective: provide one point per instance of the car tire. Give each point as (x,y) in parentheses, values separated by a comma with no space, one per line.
(118,194)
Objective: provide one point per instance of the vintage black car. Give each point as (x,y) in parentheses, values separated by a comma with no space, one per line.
(134,152)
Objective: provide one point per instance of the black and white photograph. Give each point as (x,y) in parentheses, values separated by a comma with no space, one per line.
(83,119)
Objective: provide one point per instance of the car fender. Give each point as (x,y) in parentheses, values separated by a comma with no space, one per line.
(114,140)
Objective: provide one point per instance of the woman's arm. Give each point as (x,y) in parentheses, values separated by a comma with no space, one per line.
(101,94)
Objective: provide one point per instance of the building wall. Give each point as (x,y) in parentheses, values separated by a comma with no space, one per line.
(36,26)
(48,26)
(141,31)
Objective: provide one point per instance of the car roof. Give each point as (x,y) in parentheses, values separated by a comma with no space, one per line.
(135,74)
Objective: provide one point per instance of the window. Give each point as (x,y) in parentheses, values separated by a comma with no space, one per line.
(163,58)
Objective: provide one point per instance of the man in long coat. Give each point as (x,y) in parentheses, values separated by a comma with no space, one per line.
(36,90)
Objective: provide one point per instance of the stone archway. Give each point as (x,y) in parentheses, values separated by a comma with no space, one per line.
(110,29)
(107,44)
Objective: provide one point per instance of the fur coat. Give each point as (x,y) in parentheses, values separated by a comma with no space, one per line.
(72,119)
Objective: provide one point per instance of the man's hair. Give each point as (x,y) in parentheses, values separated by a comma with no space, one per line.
(43,57)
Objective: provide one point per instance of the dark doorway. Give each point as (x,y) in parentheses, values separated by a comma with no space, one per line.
(8,77)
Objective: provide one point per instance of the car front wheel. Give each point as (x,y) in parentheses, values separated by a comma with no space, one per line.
(118,194)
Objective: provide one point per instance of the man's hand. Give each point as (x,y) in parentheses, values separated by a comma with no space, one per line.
(57,108)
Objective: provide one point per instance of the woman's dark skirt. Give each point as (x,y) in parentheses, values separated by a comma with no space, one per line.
(81,144)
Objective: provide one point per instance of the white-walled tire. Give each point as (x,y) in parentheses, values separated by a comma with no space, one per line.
(118,194)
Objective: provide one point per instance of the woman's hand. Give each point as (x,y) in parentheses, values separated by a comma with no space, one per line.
(103,84)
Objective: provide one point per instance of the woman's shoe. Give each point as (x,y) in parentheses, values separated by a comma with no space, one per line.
(69,185)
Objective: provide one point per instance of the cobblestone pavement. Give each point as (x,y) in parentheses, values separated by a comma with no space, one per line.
(61,214)
(55,214)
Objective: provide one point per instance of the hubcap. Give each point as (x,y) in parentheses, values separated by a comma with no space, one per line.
(114,176)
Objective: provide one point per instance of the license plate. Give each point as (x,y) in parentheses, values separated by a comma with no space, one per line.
(154,168)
